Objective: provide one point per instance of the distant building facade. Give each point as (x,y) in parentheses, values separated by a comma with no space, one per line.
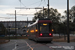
(20,26)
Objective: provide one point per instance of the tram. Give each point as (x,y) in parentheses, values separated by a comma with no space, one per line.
(41,30)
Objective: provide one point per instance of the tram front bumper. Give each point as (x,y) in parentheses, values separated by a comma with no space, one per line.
(44,38)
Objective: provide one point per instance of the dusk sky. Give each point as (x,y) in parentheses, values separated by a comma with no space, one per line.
(8,6)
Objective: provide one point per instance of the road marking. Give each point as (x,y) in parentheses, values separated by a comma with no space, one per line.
(51,48)
(19,48)
(15,46)
(29,46)
(55,45)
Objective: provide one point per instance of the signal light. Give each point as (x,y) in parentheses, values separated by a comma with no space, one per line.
(41,34)
(52,30)
(27,31)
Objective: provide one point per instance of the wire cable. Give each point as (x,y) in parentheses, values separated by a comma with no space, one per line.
(40,3)
(45,2)
(21,3)
(34,3)
(20,6)
(30,4)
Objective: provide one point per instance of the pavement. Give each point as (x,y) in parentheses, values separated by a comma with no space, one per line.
(3,41)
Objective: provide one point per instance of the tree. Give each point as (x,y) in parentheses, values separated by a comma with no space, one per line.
(71,18)
(2,29)
(54,15)
(71,14)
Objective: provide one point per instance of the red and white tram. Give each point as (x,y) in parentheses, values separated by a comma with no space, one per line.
(41,30)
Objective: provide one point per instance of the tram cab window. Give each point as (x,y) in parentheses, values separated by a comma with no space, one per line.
(44,27)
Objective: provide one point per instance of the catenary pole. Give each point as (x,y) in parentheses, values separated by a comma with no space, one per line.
(15,24)
(48,8)
(68,36)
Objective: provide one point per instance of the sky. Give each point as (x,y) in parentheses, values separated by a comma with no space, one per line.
(8,7)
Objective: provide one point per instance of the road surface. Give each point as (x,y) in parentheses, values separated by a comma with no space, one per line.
(25,44)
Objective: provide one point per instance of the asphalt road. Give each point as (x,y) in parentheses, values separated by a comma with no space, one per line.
(25,44)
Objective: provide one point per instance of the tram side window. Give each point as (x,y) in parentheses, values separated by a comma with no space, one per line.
(32,28)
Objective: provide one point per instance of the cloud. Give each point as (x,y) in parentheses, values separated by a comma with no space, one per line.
(8,9)
(31,11)
(3,6)
(5,11)
(11,9)
(61,11)
(25,11)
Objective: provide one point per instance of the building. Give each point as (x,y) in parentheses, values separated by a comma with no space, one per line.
(20,26)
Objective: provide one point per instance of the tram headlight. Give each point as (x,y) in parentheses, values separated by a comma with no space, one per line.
(36,30)
(32,31)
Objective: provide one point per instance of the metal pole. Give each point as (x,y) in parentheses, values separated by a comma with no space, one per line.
(48,8)
(7,29)
(43,11)
(68,36)
(15,30)
(27,21)
(15,25)
(9,33)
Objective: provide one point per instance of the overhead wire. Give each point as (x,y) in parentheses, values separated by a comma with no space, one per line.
(20,6)
(40,3)
(34,3)
(24,5)
(30,4)
(45,2)
(21,3)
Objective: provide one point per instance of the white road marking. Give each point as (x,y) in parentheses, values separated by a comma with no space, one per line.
(15,46)
(29,46)
(22,46)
